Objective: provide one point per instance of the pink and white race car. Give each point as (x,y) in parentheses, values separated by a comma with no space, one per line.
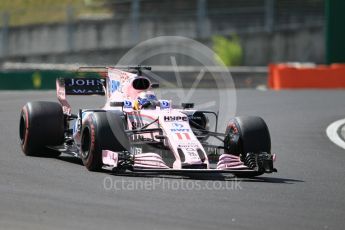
(134,131)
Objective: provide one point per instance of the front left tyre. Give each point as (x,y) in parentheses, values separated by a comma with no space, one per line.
(41,124)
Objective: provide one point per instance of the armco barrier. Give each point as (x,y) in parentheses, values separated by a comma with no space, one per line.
(26,80)
(22,76)
(283,76)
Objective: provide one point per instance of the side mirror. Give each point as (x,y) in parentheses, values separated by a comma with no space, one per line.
(154,85)
(187,105)
(116,103)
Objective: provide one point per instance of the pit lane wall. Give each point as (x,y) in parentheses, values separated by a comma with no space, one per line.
(297,76)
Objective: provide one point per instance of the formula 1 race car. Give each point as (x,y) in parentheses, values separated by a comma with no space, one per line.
(134,131)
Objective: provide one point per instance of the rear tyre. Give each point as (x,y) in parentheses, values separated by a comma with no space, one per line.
(102,131)
(247,135)
(41,125)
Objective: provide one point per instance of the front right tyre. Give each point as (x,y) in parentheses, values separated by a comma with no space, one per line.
(102,130)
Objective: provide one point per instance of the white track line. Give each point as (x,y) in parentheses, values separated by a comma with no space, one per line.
(332,133)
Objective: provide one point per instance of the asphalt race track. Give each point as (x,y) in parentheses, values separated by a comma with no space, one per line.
(306,193)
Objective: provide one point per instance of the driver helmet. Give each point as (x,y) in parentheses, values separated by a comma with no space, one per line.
(147,100)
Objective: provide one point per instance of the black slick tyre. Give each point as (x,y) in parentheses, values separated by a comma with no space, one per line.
(102,130)
(41,124)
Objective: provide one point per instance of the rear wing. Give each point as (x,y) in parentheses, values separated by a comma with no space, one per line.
(83,86)
(78,86)
(95,85)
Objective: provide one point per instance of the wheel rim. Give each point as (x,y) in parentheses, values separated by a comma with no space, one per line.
(22,129)
(232,140)
(85,144)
